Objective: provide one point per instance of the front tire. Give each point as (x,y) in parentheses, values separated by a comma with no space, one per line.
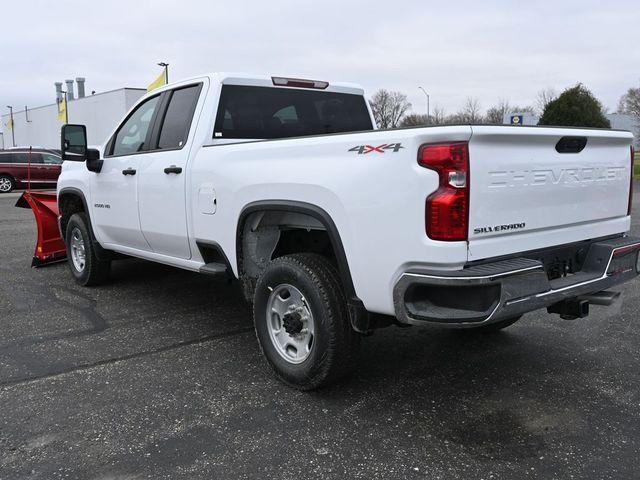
(85,266)
(301,321)
(7,184)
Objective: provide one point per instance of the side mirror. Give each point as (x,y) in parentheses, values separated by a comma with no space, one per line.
(74,143)
(94,162)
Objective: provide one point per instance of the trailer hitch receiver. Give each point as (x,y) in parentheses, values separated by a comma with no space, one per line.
(570,309)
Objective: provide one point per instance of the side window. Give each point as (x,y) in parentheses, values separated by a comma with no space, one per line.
(6,158)
(21,158)
(35,158)
(132,134)
(177,119)
(50,159)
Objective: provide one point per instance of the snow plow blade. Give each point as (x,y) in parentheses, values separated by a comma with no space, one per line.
(50,247)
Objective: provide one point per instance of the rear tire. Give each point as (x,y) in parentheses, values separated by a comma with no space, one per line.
(301,321)
(7,184)
(81,255)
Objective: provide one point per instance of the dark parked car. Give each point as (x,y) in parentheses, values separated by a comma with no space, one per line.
(45,168)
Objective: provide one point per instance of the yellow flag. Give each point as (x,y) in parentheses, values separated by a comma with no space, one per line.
(10,124)
(158,82)
(62,110)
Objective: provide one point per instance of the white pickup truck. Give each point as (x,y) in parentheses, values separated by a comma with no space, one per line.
(334,228)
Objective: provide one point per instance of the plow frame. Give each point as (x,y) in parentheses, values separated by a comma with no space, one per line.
(50,246)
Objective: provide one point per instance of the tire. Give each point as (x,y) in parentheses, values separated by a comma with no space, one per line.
(7,184)
(321,343)
(495,327)
(81,256)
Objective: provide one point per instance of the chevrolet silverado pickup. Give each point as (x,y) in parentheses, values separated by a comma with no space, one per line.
(334,228)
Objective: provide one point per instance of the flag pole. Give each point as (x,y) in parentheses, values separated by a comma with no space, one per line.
(13,126)
(29,170)
(166,70)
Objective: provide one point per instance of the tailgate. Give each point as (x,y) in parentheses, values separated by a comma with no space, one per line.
(526,195)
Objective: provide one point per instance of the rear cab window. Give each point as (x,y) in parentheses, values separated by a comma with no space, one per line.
(178,117)
(249,112)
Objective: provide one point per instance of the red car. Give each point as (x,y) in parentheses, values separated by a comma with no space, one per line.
(45,168)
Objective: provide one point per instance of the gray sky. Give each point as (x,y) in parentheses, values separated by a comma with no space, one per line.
(485,49)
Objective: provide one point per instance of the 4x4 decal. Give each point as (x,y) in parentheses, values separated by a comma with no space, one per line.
(364,149)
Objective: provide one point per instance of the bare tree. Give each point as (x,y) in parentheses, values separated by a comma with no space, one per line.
(389,108)
(470,113)
(438,116)
(495,115)
(630,103)
(544,98)
(414,120)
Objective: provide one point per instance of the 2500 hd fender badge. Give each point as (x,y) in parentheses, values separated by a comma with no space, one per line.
(364,149)
(499,228)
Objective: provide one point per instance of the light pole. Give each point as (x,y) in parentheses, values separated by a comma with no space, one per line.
(13,126)
(428,112)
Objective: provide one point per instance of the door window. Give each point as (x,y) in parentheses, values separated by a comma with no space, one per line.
(50,159)
(21,158)
(132,135)
(35,158)
(177,119)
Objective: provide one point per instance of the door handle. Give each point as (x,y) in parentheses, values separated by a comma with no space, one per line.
(129,171)
(173,169)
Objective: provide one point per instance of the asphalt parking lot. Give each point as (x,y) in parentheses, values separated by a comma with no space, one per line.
(158,375)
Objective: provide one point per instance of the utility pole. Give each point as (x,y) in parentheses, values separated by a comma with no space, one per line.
(428,101)
(13,125)
(166,70)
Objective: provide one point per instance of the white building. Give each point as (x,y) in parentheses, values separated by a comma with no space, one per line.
(39,126)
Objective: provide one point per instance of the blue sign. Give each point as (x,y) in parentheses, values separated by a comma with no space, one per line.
(517,119)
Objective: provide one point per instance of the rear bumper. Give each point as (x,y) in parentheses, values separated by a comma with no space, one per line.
(490,292)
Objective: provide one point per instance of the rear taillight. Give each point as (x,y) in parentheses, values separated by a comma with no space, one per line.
(447,209)
(631,183)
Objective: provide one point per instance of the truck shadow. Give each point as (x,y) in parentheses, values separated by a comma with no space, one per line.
(509,395)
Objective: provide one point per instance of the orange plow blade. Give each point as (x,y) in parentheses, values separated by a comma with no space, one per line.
(50,246)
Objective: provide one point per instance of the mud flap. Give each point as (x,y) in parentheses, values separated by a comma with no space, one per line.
(50,247)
